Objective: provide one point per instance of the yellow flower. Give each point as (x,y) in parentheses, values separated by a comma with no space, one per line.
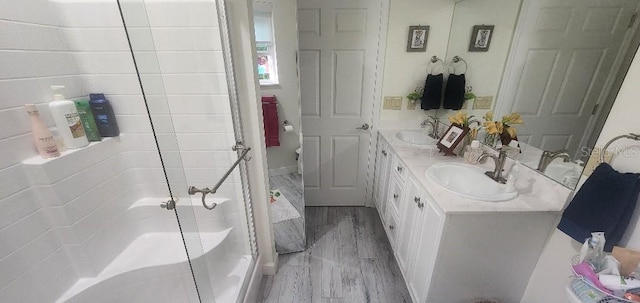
(491,127)
(488,116)
(473,133)
(513,118)
(512,132)
(499,127)
(494,127)
(459,118)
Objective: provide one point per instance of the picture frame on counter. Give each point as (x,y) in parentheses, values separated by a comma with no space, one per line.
(452,137)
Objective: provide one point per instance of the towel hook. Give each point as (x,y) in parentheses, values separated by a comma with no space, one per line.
(603,151)
(434,60)
(456,60)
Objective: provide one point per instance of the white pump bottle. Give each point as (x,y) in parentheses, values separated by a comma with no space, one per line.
(67,120)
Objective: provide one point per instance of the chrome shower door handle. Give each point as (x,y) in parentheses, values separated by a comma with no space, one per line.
(364,126)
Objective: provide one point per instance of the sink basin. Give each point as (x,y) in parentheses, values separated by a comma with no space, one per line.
(415,137)
(564,172)
(470,182)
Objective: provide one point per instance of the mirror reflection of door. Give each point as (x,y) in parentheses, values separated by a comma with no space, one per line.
(276,34)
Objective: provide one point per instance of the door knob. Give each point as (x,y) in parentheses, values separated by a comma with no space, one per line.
(364,126)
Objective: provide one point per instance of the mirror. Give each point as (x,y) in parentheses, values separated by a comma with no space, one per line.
(277,46)
(558,64)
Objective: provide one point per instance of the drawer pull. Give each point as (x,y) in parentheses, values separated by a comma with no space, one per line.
(391,226)
(384,153)
(395,196)
(420,205)
(399,169)
(416,200)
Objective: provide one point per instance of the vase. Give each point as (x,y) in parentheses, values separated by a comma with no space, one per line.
(491,140)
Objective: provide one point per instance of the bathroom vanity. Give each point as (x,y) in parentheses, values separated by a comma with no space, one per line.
(456,249)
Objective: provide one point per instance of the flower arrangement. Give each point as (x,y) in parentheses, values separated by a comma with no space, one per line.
(415,95)
(461,119)
(502,129)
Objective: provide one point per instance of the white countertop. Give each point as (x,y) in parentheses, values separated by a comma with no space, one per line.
(535,192)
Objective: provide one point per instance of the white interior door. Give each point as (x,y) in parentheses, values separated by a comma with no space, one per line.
(338,53)
(566,56)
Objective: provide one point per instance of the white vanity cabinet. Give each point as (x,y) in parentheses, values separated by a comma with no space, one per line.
(460,255)
(382,176)
(410,222)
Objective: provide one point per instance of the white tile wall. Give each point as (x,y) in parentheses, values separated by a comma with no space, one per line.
(69,220)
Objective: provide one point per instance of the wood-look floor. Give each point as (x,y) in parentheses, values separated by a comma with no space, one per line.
(289,234)
(348,260)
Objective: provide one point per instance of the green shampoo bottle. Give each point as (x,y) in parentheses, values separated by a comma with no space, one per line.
(88,122)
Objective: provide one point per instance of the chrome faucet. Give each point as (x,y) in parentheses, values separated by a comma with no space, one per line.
(499,161)
(548,156)
(434,126)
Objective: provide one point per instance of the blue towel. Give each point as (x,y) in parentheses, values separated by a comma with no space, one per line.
(604,203)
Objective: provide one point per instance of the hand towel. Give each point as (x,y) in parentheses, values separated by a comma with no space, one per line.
(454,92)
(271,124)
(432,93)
(604,203)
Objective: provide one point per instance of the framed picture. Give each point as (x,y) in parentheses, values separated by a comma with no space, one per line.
(452,138)
(417,41)
(481,38)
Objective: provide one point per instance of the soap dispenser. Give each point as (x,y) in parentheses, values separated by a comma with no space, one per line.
(472,152)
(67,120)
(104,116)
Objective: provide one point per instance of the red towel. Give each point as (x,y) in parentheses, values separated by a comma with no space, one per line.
(271,124)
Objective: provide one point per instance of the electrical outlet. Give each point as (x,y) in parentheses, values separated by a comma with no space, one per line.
(483,102)
(392,102)
(594,161)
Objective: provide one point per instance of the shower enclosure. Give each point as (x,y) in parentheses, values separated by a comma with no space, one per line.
(114,221)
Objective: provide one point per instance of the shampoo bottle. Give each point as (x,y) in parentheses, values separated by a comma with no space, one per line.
(67,120)
(104,116)
(45,143)
(86,116)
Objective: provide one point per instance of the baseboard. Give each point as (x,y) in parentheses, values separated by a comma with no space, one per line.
(283,170)
(270,269)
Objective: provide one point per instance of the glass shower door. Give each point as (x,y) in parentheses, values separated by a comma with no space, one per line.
(184,68)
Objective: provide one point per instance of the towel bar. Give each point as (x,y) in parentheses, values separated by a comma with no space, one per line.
(457,59)
(432,62)
(631,136)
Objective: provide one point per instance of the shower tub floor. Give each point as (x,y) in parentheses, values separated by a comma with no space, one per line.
(154,268)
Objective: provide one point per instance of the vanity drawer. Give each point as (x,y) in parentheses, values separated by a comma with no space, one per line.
(399,170)
(394,197)
(391,227)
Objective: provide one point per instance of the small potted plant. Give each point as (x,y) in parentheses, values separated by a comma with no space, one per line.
(415,95)
(468,95)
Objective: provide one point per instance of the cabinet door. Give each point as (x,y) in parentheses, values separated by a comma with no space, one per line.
(428,237)
(382,176)
(409,225)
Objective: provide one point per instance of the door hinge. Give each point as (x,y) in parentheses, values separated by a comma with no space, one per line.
(595,109)
(632,20)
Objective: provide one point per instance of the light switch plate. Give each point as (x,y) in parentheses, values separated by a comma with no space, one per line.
(483,102)
(594,161)
(392,102)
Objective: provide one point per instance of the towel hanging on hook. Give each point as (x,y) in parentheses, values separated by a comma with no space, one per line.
(456,86)
(432,92)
